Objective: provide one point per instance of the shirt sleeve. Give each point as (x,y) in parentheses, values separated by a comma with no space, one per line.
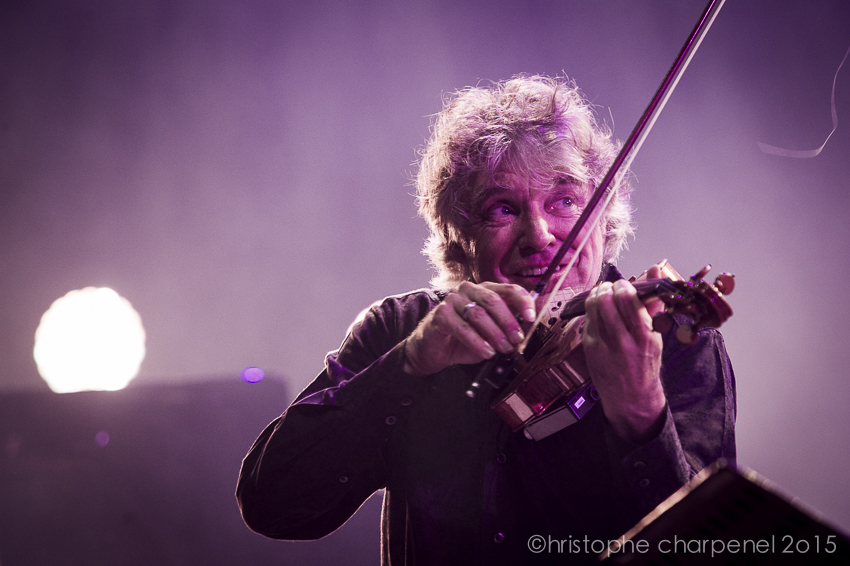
(698,427)
(313,467)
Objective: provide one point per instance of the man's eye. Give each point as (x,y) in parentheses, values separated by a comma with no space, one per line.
(563,203)
(500,210)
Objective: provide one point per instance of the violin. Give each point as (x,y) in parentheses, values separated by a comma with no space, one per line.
(552,389)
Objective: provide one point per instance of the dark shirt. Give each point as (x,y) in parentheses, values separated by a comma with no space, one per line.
(461,488)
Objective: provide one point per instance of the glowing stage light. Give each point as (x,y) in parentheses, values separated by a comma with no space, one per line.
(253,374)
(90,339)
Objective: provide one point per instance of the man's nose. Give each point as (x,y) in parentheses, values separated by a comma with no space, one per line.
(536,234)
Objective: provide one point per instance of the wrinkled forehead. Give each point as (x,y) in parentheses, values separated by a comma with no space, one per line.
(542,167)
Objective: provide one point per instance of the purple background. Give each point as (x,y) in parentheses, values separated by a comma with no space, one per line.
(240,172)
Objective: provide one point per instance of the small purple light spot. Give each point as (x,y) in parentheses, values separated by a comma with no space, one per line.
(102,438)
(252,374)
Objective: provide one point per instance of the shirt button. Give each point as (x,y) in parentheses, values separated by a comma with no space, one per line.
(390,420)
(644,482)
(498,538)
(501,458)
(343,479)
(406,401)
(639,465)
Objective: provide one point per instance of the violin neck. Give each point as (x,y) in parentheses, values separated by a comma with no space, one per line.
(645,290)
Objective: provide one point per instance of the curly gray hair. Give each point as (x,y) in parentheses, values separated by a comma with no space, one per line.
(536,126)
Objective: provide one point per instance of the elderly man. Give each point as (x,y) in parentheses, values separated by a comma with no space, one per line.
(507,172)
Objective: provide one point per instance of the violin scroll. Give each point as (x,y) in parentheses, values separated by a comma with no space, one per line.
(698,300)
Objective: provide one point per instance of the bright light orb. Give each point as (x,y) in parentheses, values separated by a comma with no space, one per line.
(253,374)
(91,339)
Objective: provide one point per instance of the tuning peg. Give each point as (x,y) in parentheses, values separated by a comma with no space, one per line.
(701,273)
(725,283)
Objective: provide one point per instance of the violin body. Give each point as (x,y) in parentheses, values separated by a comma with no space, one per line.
(556,371)
(556,378)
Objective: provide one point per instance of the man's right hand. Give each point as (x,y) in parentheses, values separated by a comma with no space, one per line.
(468,326)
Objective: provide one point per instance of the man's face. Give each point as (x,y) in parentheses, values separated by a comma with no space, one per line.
(519,227)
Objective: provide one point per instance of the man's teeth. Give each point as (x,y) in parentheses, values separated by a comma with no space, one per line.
(538,271)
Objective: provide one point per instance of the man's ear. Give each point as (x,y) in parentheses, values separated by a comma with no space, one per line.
(455,253)
(458,259)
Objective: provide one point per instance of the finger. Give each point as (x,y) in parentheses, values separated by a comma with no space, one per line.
(634,315)
(481,321)
(472,339)
(495,319)
(657,270)
(654,306)
(472,322)
(600,309)
(518,300)
(448,322)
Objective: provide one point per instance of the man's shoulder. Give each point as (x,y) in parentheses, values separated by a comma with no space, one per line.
(416,297)
(387,321)
(399,310)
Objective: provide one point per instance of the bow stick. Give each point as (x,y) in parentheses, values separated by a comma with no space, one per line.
(612,179)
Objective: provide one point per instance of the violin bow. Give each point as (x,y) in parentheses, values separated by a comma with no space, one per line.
(623,161)
(611,181)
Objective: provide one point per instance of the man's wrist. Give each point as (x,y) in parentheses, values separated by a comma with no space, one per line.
(638,423)
(411,366)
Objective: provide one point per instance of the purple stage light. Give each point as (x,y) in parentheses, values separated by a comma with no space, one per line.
(252,374)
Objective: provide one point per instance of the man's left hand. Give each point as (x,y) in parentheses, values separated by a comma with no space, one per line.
(624,357)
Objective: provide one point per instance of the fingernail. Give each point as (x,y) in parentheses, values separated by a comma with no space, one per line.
(489,352)
(517,337)
(529,315)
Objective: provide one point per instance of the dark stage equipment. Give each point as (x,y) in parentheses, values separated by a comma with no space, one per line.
(729,516)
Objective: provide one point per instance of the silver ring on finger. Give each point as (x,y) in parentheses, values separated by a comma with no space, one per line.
(468,308)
